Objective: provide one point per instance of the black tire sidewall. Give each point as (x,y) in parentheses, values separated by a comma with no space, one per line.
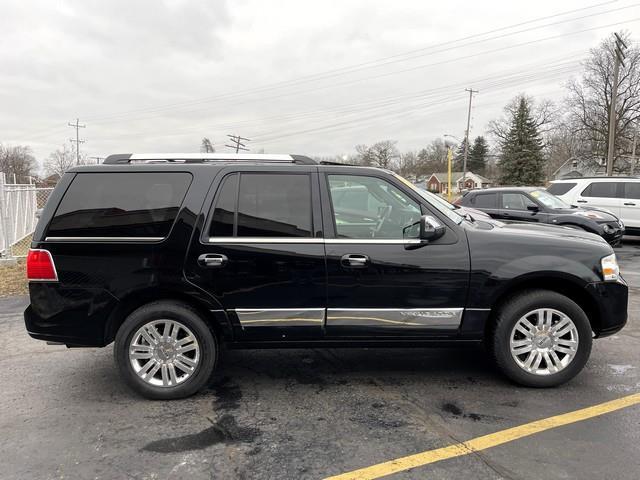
(517,307)
(171,311)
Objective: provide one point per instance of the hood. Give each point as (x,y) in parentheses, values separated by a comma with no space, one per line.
(546,230)
(596,214)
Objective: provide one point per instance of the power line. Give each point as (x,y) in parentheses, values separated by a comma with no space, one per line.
(77,141)
(237,141)
(375,63)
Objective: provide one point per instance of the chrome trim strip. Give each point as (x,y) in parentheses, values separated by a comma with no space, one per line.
(429,318)
(350,241)
(280,317)
(249,240)
(477,309)
(103,239)
(381,241)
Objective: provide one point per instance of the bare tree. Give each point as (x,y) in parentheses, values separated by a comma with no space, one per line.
(207,146)
(381,154)
(60,161)
(407,165)
(17,160)
(589,100)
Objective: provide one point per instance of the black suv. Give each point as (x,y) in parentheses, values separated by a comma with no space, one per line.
(536,205)
(171,256)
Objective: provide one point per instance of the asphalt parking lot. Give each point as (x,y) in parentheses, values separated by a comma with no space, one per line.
(313,413)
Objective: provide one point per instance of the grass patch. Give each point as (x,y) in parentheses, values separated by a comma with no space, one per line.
(13,279)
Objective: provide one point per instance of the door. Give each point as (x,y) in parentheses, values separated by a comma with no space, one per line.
(260,255)
(603,194)
(630,205)
(487,202)
(516,207)
(378,283)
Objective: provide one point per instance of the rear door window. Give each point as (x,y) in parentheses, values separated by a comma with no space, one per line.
(632,190)
(485,200)
(263,205)
(601,189)
(134,204)
(560,188)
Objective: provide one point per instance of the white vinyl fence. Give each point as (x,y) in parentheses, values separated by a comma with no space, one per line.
(19,203)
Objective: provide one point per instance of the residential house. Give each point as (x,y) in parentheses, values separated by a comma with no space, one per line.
(438,182)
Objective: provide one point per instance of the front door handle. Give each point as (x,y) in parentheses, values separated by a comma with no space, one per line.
(630,204)
(212,260)
(581,201)
(353,260)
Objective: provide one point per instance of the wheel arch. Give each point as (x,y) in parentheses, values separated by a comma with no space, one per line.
(562,284)
(213,314)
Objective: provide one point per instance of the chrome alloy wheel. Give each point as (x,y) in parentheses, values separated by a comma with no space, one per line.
(544,341)
(164,353)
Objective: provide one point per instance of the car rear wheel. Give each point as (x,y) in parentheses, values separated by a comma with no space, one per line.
(164,350)
(540,338)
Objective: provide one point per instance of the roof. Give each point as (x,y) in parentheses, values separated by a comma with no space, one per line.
(606,179)
(442,177)
(479,177)
(502,189)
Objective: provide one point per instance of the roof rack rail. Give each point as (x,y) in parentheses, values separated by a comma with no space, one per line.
(181,158)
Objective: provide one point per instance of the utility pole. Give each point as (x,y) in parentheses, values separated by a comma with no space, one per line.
(619,49)
(633,152)
(237,143)
(449,159)
(466,138)
(77,141)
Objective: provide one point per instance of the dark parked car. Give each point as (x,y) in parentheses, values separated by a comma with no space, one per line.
(536,205)
(172,256)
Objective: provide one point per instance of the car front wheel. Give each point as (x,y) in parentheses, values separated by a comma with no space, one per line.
(164,350)
(540,338)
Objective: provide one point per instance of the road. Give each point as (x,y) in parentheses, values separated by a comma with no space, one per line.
(312,413)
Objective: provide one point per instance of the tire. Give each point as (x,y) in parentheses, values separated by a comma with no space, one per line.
(183,348)
(550,371)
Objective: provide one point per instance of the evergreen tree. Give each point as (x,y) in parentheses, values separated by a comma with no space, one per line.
(477,160)
(521,158)
(458,157)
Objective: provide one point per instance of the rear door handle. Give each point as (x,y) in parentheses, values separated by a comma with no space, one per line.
(581,201)
(353,260)
(630,203)
(212,260)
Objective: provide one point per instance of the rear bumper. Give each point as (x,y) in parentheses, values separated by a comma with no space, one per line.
(611,299)
(73,316)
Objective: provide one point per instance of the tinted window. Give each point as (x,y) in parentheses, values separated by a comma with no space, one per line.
(485,200)
(274,205)
(369,207)
(120,205)
(601,189)
(560,188)
(632,190)
(223,214)
(515,201)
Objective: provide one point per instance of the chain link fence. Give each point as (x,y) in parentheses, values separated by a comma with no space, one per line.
(19,205)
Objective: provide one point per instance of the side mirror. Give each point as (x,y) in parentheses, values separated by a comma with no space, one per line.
(430,228)
(533,208)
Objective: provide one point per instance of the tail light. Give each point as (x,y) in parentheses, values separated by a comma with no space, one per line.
(40,266)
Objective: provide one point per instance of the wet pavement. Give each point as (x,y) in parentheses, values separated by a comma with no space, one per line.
(312,413)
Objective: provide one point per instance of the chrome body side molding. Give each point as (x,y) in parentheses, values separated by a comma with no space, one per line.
(284,317)
(431,318)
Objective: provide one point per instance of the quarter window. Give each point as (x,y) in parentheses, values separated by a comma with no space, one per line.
(263,205)
(132,204)
(368,208)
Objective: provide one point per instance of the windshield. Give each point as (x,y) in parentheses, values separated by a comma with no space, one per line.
(434,200)
(549,200)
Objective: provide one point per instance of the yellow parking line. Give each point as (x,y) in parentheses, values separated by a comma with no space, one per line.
(486,441)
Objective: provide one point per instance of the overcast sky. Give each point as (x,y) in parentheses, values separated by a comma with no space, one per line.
(309,77)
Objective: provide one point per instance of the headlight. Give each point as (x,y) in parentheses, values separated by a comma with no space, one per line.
(610,269)
(590,214)
(608,229)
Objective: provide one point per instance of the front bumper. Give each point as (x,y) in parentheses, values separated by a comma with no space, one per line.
(611,299)
(612,232)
